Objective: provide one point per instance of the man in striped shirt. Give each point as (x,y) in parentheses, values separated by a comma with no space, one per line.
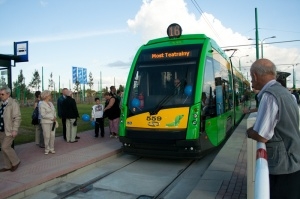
(277,125)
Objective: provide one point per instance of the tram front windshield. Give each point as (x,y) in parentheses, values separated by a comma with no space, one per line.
(164,83)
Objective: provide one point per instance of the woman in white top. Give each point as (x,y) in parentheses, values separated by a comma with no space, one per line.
(48,119)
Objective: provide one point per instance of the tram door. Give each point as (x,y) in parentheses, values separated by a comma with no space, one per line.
(224,121)
(209,113)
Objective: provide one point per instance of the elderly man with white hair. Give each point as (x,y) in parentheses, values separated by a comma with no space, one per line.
(70,112)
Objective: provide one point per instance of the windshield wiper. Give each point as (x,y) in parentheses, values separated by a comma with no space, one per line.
(161,103)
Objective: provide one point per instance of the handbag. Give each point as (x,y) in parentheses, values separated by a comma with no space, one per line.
(35,116)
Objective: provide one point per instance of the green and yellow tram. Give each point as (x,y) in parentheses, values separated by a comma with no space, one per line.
(182,97)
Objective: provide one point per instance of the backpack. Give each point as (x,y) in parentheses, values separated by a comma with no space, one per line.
(35,116)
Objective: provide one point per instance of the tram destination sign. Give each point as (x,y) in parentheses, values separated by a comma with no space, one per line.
(169,54)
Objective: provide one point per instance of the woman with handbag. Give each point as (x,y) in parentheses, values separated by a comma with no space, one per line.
(48,121)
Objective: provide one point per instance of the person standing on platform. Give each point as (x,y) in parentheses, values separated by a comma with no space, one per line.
(120,97)
(252,110)
(48,119)
(113,91)
(59,110)
(39,137)
(97,116)
(70,112)
(295,93)
(10,120)
(112,111)
(277,125)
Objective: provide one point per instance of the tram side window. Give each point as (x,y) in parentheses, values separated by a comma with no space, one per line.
(238,90)
(221,73)
(208,91)
(226,86)
(218,90)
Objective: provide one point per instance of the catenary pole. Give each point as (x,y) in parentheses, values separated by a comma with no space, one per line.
(256,35)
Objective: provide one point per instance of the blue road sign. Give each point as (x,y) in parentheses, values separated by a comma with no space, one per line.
(74,74)
(80,76)
(84,76)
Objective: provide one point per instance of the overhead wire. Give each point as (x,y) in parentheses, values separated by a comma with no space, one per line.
(198,8)
(276,42)
(206,20)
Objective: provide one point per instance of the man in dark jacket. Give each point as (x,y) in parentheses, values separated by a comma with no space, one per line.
(59,110)
(70,112)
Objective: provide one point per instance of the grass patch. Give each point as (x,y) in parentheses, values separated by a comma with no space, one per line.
(27,130)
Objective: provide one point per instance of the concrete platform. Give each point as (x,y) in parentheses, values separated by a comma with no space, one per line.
(37,168)
(225,177)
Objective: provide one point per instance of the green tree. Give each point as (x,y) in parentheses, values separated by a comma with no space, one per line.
(121,88)
(90,83)
(51,82)
(77,88)
(35,81)
(19,88)
(91,80)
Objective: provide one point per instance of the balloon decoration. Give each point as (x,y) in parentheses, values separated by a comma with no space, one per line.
(188,90)
(85,117)
(135,102)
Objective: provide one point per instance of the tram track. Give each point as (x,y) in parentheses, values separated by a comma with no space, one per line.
(165,189)
(87,185)
(126,176)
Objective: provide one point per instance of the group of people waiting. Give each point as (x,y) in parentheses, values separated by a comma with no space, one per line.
(10,120)
(67,111)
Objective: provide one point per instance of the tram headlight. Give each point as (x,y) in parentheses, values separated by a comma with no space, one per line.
(194,122)
(195,115)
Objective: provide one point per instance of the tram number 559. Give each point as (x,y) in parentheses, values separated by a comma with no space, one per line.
(154,118)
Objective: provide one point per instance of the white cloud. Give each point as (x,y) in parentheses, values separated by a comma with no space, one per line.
(155,16)
(152,20)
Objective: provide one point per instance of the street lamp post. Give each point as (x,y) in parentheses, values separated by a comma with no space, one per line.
(262,44)
(240,67)
(294,77)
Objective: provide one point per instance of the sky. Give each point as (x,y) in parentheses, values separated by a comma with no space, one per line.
(104,35)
